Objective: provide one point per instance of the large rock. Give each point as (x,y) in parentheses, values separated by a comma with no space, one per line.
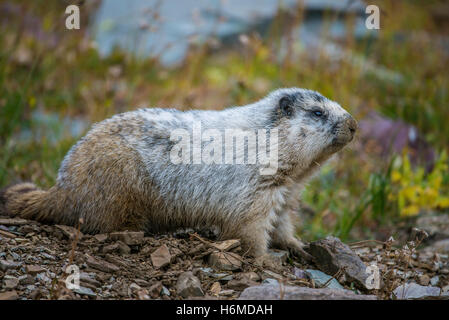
(275,292)
(189,286)
(331,255)
(441,246)
(436,226)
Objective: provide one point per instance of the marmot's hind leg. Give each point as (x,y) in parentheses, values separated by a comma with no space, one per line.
(103,181)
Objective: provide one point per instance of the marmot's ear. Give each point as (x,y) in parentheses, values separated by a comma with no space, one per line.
(286,106)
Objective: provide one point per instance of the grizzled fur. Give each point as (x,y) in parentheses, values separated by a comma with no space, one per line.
(119,176)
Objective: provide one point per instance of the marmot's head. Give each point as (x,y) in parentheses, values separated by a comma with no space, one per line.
(312,126)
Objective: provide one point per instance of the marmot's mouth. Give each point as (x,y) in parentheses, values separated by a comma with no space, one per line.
(338,142)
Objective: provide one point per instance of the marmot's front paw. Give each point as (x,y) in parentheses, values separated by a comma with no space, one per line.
(296,249)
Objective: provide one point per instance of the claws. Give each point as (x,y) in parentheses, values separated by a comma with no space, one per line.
(300,253)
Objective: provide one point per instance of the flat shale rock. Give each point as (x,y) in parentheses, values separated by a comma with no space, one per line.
(416,291)
(225,261)
(275,292)
(9,295)
(331,255)
(321,279)
(131,238)
(69,232)
(226,245)
(8,264)
(101,265)
(34,269)
(13,221)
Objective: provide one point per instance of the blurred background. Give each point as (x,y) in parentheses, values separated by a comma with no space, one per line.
(55,82)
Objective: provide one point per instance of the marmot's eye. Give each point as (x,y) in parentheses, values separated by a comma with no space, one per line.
(318,113)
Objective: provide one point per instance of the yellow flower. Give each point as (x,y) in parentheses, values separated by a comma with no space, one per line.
(410,211)
(396,176)
(443,202)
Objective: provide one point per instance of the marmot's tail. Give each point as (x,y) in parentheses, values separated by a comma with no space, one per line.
(27,201)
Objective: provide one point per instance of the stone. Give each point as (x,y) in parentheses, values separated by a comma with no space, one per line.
(434,280)
(276,292)
(219,276)
(155,290)
(279,256)
(161,257)
(26,279)
(424,280)
(215,288)
(42,277)
(69,232)
(270,281)
(189,286)
(251,276)
(300,274)
(227,293)
(10,282)
(143,294)
(87,278)
(117,247)
(165,291)
(131,238)
(34,269)
(101,265)
(13,222)
(8,264)
(133,289)
(226,245)
(415,291)
(101,237)
(271,274)
(441,246)
(228,261)
(437,226)
(320,279)
(9,295)
(241,284)
(85,292)
(331,256)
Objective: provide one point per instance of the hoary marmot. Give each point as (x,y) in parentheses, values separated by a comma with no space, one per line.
(133,172)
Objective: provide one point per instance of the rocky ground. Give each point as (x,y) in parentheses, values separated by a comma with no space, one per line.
(129,265)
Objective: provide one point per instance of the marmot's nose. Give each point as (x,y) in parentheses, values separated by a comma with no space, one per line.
(351,124)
